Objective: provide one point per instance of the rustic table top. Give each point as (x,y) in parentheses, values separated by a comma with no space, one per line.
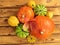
(10,7)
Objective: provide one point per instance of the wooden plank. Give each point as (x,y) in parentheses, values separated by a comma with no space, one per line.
(57,22)
(7,31)
(24,44)
(10,3)
(11,30)
(11,40)
(14,11)
(56,11)
(35,44)
(52,39)
(49,2)
(8,12)
(15,40)
(57,29)
(43,44)
(48,44)
(3,21)
(56,18)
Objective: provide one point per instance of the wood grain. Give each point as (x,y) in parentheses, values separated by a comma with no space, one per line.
(11,40)
(8,12)
(7,31)
(36,44)
(14,11)
(10,31)
(56,18)
(11,3)
(4,21)
(48,44)
(15,40)
(11,7)
(56,11)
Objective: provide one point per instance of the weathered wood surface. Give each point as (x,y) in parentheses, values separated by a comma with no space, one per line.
(11,7)
(16,40)
(10,3)
(13,11)
(3,21)
(11,30)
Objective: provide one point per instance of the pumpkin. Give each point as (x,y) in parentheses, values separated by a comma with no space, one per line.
(40,10)
(13,21)
(20,32)
(41,27)
(25,14)
(31,39)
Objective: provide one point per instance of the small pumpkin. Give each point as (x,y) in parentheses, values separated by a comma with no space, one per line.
(13,21)
(49,14)
(25,14)
(20,33)
(40,10)
(31,39)
(31,3)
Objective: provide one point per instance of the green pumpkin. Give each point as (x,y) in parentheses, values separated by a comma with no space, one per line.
(20,32)
(40,10)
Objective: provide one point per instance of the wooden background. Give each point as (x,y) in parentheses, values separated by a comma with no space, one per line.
(10,7)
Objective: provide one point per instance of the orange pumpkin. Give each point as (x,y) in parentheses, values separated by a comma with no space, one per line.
(25,14)
(41,27)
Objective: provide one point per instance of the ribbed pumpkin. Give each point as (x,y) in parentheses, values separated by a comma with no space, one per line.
(40,10)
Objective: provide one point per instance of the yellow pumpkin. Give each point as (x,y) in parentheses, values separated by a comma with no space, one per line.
(31,3)
(13,21)
(49,14)
(31,39)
